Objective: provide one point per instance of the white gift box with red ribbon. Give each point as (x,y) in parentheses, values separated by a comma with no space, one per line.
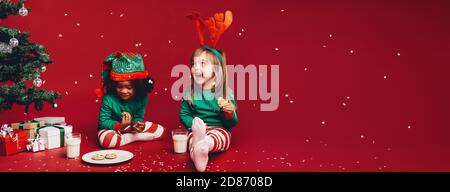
(37,144)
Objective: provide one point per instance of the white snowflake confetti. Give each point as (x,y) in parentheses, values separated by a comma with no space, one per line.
(348,97)
(286,95)
(351,51)
(324,46)
(385,77)
(90,75)
(78,24)
(398,54)
(121,15)
(59,35)
(240,34)
(409,126)
(65,14)
(101,36)
(76,82)
(170,41)
(344,104)
(282,10)
(96,100)
(291,101)
(362,136)
(323,122)
(276,49)
(331,35)
(145,55)
(306,69)
(67,93)
(165,89)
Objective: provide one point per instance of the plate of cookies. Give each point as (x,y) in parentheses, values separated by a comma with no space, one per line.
(106,157)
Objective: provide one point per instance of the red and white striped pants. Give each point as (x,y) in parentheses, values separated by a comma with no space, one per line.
(221,138)
(113,139)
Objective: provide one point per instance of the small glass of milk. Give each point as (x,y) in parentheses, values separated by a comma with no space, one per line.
(73,141)
(180,140)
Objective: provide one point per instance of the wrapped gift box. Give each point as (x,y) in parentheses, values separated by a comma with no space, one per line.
(54,135)
(51,120)
(35,145)
(30,126)
(13,143)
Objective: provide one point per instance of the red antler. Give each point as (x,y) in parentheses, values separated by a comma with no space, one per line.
(199,26)
(218,24)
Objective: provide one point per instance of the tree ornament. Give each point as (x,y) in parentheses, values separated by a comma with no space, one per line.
(23,11)
(13,42)
(37,82)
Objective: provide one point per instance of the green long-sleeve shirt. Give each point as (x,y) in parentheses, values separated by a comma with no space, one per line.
(113,106)
(207,110)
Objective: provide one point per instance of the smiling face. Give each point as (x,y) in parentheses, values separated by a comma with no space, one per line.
(202,69)
(125,90)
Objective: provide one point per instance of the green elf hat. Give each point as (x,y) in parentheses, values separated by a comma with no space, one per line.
(122,66)
(125,66)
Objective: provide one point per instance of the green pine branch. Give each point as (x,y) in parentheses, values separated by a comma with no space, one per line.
(20,65)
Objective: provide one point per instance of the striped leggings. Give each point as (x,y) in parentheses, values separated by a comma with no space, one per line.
(221,139)
(113,139)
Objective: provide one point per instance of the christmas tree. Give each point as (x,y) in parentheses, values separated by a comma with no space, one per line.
(21,61)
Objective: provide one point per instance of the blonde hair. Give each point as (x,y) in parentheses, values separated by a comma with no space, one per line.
(214,60)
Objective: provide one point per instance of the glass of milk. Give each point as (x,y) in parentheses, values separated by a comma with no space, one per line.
(180,140)
(73,141)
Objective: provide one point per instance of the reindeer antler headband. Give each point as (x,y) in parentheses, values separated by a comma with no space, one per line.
(216,26)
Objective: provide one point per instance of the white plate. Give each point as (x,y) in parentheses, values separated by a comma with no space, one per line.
(122,156)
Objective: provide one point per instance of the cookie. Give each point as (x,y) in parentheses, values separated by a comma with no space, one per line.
(98,157)
(110,156)
(221,102)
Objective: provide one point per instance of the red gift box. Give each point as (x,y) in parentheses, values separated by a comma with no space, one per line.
(15,144)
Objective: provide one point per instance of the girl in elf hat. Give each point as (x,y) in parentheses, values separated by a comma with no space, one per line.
(208,109)
(124,99)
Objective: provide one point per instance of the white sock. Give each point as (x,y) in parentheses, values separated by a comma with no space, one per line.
(198,130)
(127,138)
(200,144)
(199,154)
(143,136)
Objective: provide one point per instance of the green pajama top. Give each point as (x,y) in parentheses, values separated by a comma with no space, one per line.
(207,110)
(112,107)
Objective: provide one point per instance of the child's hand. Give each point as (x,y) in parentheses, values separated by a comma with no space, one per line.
(126,119)
(227,107)
(139,126)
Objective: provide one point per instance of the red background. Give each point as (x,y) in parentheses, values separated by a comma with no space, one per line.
(406,41)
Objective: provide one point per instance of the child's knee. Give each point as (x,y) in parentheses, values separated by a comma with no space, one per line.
(158,130)
(109,139)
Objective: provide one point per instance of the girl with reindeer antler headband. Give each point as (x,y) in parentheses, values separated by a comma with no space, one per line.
(208,109)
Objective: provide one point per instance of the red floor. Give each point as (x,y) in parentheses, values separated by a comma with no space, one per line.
(310,155)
